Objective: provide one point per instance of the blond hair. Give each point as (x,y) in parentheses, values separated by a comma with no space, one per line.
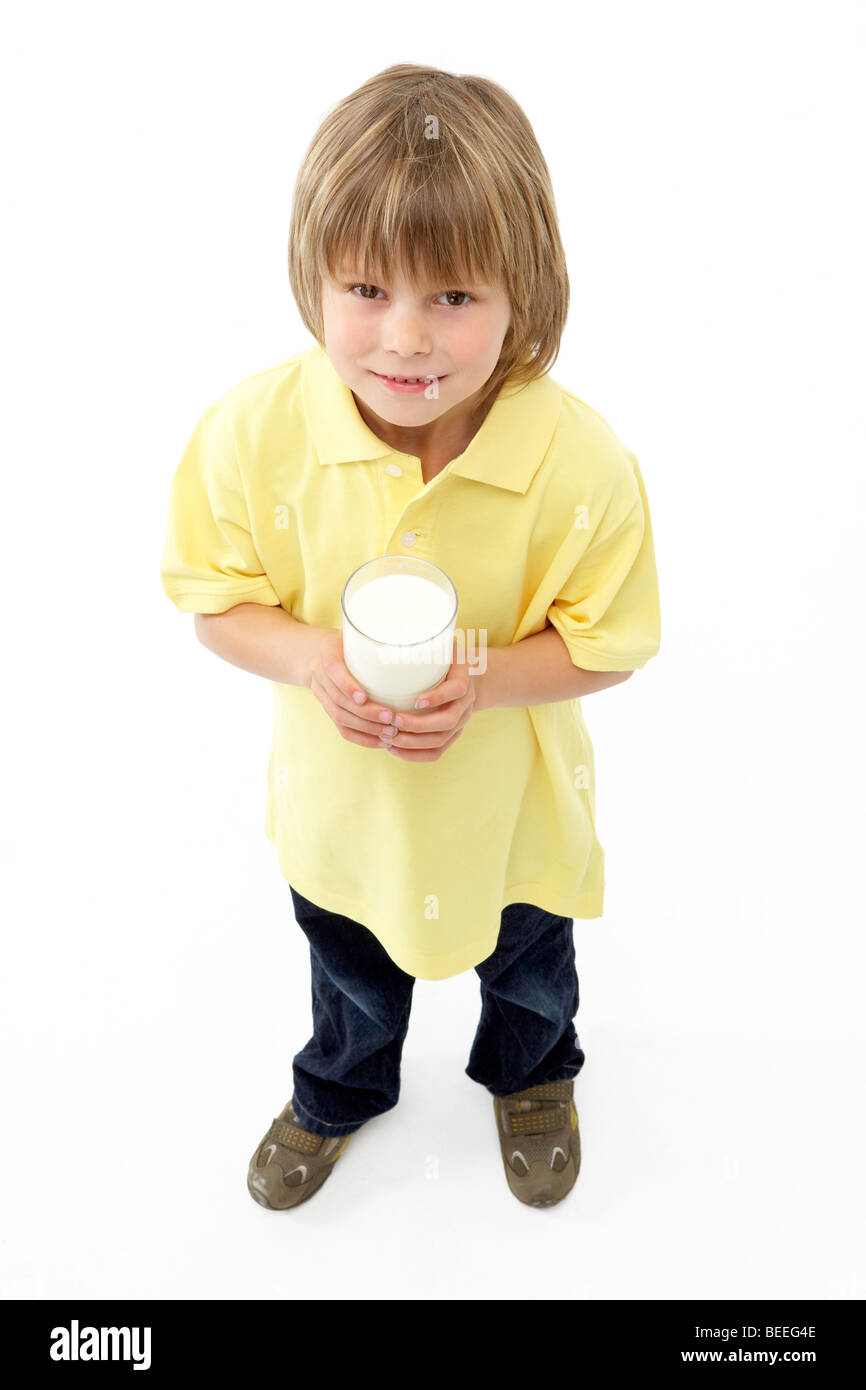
(476,200)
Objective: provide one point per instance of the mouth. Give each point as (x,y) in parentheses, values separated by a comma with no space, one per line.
(407,383)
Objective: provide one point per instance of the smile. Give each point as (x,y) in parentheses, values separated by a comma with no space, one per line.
(406,384)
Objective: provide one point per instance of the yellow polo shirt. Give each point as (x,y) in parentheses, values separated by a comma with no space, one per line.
(281,493)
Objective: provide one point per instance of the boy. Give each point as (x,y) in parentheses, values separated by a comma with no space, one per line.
(424,245)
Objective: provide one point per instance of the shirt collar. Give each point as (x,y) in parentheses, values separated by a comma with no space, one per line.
(506,451)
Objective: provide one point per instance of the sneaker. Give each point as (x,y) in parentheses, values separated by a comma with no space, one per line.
(539,1141)
(291,1162)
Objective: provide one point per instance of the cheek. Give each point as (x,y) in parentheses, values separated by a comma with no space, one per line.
(479,343)
(346,330)
(354,330)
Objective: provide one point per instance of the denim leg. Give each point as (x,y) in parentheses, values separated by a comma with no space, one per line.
(529,996)
(349,1071)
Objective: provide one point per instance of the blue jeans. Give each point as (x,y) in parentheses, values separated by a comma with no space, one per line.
(349,1071)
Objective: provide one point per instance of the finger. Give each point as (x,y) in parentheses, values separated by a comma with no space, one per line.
(452,688)
(444,719)
(345,718)
(427,737)
(340,693)
(425,755)
(343,687)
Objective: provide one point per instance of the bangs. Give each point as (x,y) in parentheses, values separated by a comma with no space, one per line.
(417,229)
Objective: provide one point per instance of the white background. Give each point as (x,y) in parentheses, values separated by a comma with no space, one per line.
(707,164)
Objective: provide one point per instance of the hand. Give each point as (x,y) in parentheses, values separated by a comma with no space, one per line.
(333,685)
(424,735)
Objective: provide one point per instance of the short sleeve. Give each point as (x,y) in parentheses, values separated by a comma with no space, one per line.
(209,560)
(607,612)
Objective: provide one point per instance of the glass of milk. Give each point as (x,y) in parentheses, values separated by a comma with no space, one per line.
(399,615)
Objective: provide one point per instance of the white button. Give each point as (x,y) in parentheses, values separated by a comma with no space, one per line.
(394,469)
(408,538)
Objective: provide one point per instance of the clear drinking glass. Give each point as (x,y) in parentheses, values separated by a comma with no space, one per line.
(398,638)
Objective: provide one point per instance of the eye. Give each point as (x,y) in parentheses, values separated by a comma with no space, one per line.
(363,287)
(466,296)
(445,294)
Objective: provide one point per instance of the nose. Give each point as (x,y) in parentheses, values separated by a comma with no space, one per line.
(404,332)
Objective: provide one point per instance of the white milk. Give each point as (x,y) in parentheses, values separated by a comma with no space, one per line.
(405,613)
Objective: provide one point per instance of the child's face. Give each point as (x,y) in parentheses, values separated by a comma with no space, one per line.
(453,332)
